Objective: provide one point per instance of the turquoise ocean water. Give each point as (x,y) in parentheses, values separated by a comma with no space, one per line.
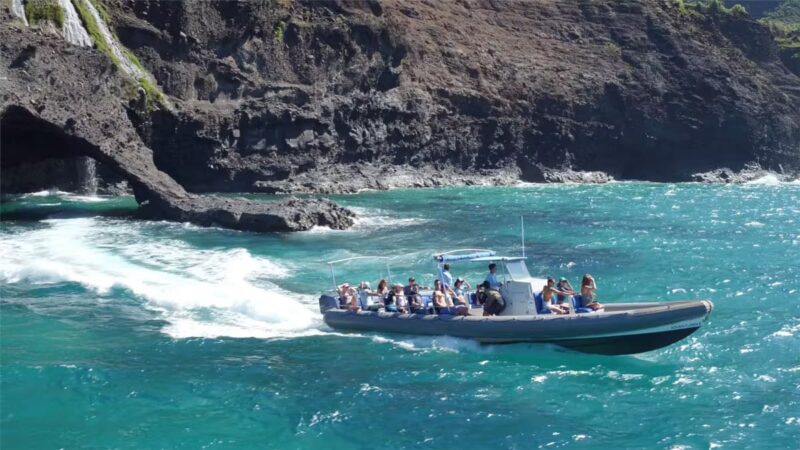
(118,333)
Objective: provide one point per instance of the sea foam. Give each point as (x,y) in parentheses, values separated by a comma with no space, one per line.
(199,292)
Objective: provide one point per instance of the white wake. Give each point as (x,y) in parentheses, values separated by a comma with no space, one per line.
(199,292)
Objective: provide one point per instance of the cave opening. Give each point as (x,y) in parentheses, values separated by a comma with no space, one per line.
(36,155)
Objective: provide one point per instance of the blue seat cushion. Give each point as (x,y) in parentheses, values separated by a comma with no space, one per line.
(539,300)
(577,304)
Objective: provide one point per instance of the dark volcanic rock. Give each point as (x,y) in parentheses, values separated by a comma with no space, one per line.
(290,214)
(337,96)
(632,89)
(62,102)
(750,172)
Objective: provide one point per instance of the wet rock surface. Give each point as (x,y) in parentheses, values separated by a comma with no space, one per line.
(341,96)
(63,102)
(751,172)
(291,214)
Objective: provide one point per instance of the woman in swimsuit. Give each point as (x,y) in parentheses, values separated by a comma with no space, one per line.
(588,293)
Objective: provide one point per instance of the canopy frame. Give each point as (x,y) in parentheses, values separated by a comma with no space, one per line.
(382,258)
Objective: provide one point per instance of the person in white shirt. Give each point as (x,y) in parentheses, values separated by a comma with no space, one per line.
(447,277)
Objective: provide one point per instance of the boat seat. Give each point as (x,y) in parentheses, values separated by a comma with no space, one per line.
(363,300)
(427,304)
(540,309)
(577,301)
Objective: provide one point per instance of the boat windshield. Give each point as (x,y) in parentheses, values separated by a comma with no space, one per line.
(517,270)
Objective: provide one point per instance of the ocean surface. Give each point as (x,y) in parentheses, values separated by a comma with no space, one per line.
(118,333)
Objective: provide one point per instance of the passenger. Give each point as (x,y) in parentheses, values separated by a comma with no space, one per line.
(564,286)
(440,303)
(447,277)
(443,303)
(493,302)
(412,295)
(365,292)
(397,299)
(547,298)
(459,298)
(491,277)
(348,297)
(589,293)
(460,295)
(383,288)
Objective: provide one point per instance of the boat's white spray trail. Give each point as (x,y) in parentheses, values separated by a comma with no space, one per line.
(205,293)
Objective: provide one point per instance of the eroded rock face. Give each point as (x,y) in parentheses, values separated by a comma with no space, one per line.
(62,102)
(338,96)
(270,95)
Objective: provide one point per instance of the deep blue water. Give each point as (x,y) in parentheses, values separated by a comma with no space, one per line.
(124,333)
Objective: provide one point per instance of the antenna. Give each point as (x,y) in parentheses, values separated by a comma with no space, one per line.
(522,225)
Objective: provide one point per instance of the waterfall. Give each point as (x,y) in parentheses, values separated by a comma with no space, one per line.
(87,176)
(73,30)
(18,9)
(127,66)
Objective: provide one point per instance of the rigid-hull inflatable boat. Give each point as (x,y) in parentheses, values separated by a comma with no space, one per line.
(617,329)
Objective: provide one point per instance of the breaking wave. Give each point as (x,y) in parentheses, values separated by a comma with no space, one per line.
(199,292)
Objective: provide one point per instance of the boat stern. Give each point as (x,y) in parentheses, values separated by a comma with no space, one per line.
(327,302)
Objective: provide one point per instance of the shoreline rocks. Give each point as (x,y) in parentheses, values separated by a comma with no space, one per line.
(751,172)
(290,214)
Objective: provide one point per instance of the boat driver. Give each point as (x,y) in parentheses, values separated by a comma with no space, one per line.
(491,277)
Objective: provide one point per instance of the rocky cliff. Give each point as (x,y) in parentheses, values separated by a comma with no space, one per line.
(279,96)
(334,96)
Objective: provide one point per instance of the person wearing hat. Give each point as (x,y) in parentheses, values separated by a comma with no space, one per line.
(364,294)
(459,290)
(564,286)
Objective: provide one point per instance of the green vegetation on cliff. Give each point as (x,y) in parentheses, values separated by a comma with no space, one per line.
(784,23)
(101,10)
(715,7)
(785,20)
(94,30)
(44,11)
(153,93)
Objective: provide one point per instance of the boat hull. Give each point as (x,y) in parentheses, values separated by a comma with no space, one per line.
(621,329)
